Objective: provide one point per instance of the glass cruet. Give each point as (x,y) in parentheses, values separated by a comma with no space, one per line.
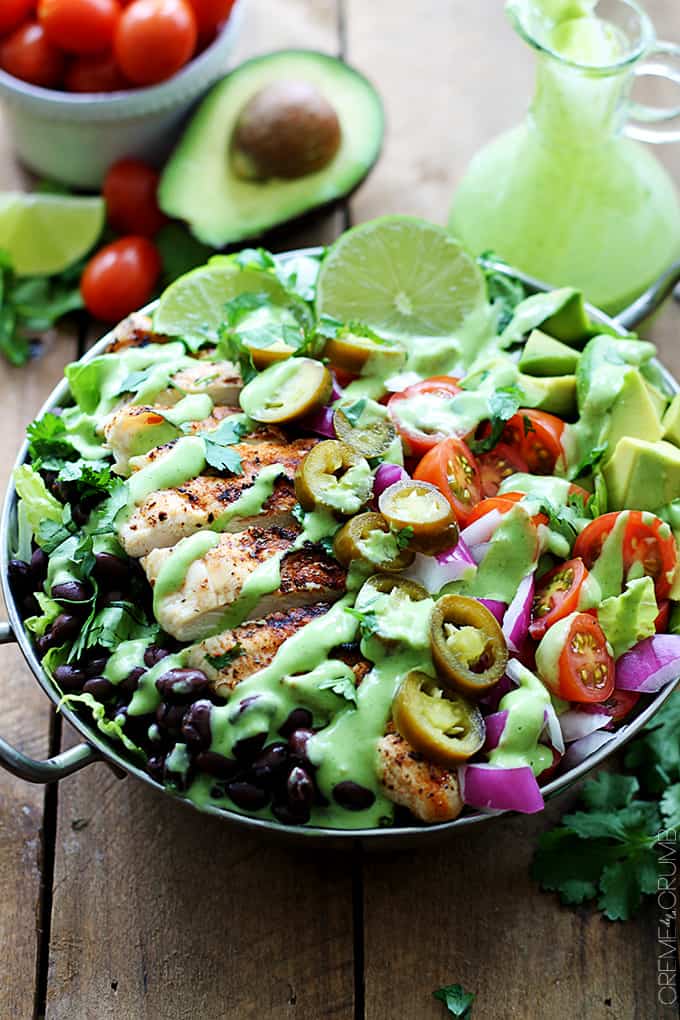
(570,195)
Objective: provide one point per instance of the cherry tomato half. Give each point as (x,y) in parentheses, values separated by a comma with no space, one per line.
(13,12)
(438,390)
(663,616)
(210,14)
(619,704)
(586,669)
(503,503)
(556,596)
(497,465)
(28,54)
(154,39)
(643,546)
(537,437)
(120,278)
(452,468)
(130,189)
(79,26)
(98,73)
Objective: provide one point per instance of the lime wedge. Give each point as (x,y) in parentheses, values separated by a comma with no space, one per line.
(45,234)
(402,277)
(193,307)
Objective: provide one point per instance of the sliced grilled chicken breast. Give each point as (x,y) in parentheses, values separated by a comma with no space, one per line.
(254,645)
(214,582)
(135,331)
(429,791)
(171,514)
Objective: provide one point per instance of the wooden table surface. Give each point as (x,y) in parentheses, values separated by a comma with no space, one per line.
(118,903)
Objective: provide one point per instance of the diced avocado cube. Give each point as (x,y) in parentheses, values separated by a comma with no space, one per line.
(570,323)
(671,421)
(659,399)
(544,356)
(633,413)
(556,394)
(642,475)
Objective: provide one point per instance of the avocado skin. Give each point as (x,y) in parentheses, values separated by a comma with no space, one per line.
(199,185)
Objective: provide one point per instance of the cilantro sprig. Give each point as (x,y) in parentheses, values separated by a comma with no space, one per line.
(457,1000)
(503,404)
(226,658)
(218,443)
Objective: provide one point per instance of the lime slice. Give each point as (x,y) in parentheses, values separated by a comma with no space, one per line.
(193,307)
(402,277)
(45,234)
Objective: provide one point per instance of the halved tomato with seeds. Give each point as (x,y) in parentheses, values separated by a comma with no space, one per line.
(454,470)
(586,669)
(438,390)
(537,437)
(557,596)
(648,547)
(498,464)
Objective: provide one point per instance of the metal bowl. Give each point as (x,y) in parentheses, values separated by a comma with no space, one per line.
(98,748)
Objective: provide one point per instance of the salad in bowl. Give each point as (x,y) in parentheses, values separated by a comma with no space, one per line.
(351,538)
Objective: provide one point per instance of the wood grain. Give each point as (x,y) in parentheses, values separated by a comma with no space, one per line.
(469,913)
(25,709)
(161,913)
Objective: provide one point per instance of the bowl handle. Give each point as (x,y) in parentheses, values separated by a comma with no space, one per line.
(653,297)
(53,769)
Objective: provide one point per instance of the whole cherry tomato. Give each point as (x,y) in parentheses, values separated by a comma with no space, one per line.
(129,190)
(154,39)
(28,54)
(210,14)
(79,26)
(120,278)
(13,12)
(97,73)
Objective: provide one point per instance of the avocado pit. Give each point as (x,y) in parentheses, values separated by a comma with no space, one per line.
(287,129)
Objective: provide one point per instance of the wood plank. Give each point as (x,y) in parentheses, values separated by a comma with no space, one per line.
(469,913)
(25,709)
(159,912)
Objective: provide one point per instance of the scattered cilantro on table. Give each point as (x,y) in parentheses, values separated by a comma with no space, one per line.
(607,851)
(457,1000)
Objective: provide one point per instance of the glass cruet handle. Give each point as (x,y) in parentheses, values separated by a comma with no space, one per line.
(663,61)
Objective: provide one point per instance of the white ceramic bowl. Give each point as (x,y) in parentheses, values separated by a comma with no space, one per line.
(75,137)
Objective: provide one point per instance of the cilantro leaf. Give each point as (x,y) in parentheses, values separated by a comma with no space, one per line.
(456,999)
(133,381)
(353,412)
(48,442)
(503,404)
(655,756)
(226,659)
(503,292)
(329,327)
(403,536)
(609,791)
(590,461)
(242,305)
(368,621)
(623,883)
(670,807)
(257,258)
(91,477)
(345,686)
(218,442)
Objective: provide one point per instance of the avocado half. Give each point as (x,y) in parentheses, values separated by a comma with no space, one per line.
(200,184)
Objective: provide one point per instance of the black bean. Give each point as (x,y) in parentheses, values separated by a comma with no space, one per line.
(297,743)
(352,796)
(43,645)
(217,792)
(39,563)
(111,598)
(249,747)
(283,814)
(70,678)
(100,688)
(156,767)
(71,591)
(64,628)
(182,685)
(247,795)
(111,570)
(95,667)
(20,578)
(300,790)
(30,606)
(299,719)
(269,766)
(246,703)
(196,725)
(169,718)
(131,681)
(154,654)
(80,512)
(217,765)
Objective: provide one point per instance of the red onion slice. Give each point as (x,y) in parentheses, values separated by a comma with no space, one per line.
(495,724)
(495,607)
(553,729)
(321,423)
(518,617)
(337,390)
(496,789)
(650,665)
(577,724)
(480,531)
(583,748)
(498,691)
(386,475)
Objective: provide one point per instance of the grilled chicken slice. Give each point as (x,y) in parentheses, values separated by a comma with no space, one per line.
(136,429)
(134,331)
(254,645)
(429,791)
(171,514)
(214,582)
(221,380)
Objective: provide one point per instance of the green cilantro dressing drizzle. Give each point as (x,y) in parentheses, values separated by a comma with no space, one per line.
(173,572)
(519,743)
